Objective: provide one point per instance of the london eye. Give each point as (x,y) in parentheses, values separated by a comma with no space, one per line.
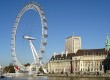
(37,54)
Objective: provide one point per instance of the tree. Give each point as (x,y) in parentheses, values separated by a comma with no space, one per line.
(9,69)
(41,70)
(28,64)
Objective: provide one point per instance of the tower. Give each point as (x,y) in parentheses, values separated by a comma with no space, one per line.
(72,44)
(107,45)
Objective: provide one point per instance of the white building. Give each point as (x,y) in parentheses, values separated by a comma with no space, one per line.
(73,44)
(84,61)
(60,63)
(1,67)
(90,61)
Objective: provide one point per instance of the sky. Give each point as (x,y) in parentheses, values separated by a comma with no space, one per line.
(89,19)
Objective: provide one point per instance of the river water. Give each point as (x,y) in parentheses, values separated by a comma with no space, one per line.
(52,78)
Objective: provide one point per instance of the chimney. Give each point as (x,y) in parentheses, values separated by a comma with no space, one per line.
(66,53)
(62,54)
(54,54)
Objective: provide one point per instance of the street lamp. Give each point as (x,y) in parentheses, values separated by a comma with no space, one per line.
(71,66)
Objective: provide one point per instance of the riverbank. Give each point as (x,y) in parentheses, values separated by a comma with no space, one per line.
(77,75)
(67,75)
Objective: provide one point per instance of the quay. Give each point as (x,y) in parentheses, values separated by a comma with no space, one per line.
(80,76)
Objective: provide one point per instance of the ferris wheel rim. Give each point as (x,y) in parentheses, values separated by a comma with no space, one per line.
(44,34)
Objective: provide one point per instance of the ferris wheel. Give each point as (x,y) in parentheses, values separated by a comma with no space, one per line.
(37,54)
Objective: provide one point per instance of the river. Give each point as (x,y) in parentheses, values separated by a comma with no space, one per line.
(52,78)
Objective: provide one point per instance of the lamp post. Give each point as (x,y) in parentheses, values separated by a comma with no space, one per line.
(71,66)
(74,65)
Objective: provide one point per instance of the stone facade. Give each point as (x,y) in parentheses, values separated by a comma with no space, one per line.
(84,61)
(60,63)
(89,61)
(72,44)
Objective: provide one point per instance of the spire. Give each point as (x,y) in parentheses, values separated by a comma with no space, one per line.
(107,45)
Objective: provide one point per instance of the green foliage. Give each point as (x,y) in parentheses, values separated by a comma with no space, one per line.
(28,64)
(41,70)
(9,69)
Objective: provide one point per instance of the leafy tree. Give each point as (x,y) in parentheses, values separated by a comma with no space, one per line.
(41,70)
(9,69)
(28,64)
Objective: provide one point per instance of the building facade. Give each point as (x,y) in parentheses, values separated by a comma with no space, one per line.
(60,63)
(89,61)
(84,61)
(72,44)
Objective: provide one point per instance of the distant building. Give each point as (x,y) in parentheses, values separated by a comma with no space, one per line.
(60,63)
(1,67)
(1,70)
(93,60)
(84,61)
(89,61)
(72,44)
